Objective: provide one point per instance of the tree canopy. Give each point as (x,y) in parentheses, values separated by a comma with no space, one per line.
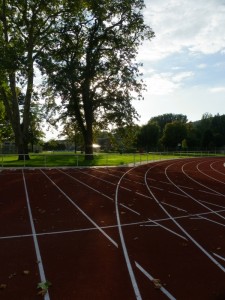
(24,28)
(91,63)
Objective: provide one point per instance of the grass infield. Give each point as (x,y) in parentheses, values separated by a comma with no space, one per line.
(70,159)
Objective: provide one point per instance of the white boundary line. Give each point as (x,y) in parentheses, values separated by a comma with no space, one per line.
(191,197)
(125,252)
(199,183)
(207,174)
(178,225)
(37,249)
(142,223)
(81,211)
(166,228)
(221,257)
(162,289)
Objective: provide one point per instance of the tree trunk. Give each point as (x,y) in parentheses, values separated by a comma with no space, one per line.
(88,145)
(23,153)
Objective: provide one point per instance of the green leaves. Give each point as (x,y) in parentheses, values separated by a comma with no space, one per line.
(43,287)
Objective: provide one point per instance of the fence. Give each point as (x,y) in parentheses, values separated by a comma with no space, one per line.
(54,159)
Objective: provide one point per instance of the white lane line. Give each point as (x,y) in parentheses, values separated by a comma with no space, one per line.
(185,187)
(97,191)
(166,228)
(199,183)
(123,244)
(80,210)
(179,226)
(208,174)
(37,249)
(213,204)
(128,208)
(193,198)
(122,187)
(206,192)
(81,182)
(180,209)
(211,166)
(146,196)
(151,278)
(157,188)
(181,195)
(142,223)
(221,257)
(218,223)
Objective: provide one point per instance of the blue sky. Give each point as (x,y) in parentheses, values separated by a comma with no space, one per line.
(184,65)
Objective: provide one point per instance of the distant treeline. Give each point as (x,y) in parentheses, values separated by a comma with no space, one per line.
(163,132)
(171,132)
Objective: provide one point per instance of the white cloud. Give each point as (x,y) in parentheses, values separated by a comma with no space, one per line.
(197,26)
(192,102)
(166,83)
(184,63)
(160,84)
(202,66)
(182,76)
(218,89)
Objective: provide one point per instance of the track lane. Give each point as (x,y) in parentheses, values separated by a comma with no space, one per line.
(100,254)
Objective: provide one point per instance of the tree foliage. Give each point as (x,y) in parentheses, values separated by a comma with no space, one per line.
(148,136)
(164,119)
(6,133)
(174,133)
(91,62)
(24,28)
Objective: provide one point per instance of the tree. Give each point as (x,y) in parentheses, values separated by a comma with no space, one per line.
(24,29)
(91,64)
(173,134)
(35,133)
(149,135)
(6,133)
(124,139)
(162,120)
(192,139)
(71,132)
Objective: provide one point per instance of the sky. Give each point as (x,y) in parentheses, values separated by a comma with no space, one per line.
(184,64)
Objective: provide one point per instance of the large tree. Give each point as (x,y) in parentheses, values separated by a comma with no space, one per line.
(24,29)
(91,63)
(6,133)
(148,136)
(164,119)
(174,133)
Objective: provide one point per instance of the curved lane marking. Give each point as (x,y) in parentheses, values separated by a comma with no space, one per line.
(207,174)
(181,228)
(123,244)
(199,183)
(194,199)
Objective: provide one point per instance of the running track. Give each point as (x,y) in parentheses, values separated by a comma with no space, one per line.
(155,231)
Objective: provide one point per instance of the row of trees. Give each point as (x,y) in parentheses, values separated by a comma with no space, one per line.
(174,131)
(86,54)
(167,131)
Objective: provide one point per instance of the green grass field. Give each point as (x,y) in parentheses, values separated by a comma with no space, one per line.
(60,159)
(63,159)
